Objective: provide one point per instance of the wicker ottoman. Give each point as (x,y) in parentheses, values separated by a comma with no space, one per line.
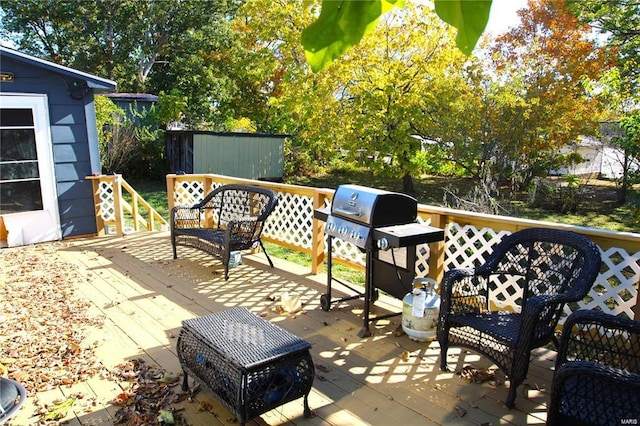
(249,364)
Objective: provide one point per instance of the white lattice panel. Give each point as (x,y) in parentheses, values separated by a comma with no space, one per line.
(467,247)
(187,193)
(614,291)
(345,250)
(292,220)
(422,254)
(107,201)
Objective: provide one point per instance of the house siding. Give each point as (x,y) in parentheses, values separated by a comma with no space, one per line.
(69,136)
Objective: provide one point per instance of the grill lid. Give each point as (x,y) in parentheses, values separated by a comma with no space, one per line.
(373,207)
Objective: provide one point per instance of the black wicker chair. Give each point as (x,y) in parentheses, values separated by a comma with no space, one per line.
(546,267)
(229,218)
(597,377)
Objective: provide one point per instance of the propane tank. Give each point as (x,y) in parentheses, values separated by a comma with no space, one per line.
(420,310)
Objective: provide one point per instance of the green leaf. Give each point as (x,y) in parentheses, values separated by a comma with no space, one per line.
(470,17)
(341,25)
(166,417)
(58,410)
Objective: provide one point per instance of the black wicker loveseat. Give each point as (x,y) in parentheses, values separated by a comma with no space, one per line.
(597,377)
(230,218)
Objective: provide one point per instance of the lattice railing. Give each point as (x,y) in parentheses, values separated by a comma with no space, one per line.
(106,197)
(111,206)
(615,289)
(469,238)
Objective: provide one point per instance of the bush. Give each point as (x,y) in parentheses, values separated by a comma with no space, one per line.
(132,146)
(560,195)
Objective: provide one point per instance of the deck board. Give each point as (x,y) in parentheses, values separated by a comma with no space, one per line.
(145,294)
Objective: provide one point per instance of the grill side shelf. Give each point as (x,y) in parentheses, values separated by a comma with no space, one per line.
(409,234)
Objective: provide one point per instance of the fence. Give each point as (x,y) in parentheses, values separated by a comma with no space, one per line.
(469,237)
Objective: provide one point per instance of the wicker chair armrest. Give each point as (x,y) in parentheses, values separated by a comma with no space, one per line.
(463,290)
(244,231)
(603,372)
(603,338)
(536,304)
(185,217)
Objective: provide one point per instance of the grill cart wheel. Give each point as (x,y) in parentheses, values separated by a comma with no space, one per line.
(325,302)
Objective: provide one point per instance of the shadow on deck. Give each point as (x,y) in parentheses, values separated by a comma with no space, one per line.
(144,295)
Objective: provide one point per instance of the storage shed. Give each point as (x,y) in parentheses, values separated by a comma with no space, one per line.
(243,155)
(48,145)
(130,102)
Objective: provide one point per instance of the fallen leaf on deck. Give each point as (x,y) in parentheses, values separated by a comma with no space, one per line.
(165,416)
(461,411)
(478,375)
(322,368)
(59,409)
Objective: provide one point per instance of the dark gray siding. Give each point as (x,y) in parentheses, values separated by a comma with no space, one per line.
(69,136)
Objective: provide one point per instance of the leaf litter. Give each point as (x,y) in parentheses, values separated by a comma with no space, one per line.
(43,320)
(43,326)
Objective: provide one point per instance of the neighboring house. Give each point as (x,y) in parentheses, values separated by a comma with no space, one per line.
(602,159)
(48,145)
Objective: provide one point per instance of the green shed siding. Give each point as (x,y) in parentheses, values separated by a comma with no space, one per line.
(243,156)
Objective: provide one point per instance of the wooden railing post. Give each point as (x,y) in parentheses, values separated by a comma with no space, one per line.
(117,201)
(134,210)
(97,204)
(317,238)
(208,181)
(171,182)
(437,249)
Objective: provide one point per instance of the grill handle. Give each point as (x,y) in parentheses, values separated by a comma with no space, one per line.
(347,212)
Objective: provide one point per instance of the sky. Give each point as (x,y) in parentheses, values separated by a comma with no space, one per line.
(503,15)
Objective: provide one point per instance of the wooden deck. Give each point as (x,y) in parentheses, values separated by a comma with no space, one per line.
(384,379)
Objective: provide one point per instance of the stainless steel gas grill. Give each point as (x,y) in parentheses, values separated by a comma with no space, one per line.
(383,225)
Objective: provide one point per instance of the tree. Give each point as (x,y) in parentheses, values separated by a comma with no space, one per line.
(629,144)
(382,87)
(118,39)
(543,69)
(268,33)
(619,22)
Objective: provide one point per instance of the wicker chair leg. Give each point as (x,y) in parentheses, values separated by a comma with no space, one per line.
(307,411)
(185,382)
(511,398)
(443,357)
(266,254)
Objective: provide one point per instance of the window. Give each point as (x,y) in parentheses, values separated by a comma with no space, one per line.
(20,188)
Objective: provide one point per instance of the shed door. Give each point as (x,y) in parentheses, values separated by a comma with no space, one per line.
(28,200)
